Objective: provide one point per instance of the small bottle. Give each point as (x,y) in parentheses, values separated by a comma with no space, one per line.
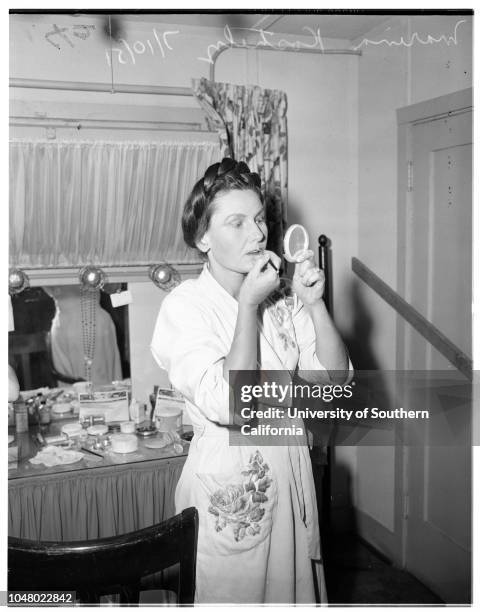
(44,413)
(21,417)
(153,400)
(30,405)
(137,411)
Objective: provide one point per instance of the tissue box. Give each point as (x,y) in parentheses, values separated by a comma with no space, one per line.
(112,405)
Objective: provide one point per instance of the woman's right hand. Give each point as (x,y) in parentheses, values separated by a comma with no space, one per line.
(261,280)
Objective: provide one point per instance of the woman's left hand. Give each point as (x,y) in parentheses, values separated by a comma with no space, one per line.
(308,281)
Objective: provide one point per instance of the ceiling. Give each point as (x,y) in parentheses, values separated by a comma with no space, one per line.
(345,26)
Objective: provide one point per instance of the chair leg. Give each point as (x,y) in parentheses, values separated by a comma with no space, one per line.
(189,532)
(186,583)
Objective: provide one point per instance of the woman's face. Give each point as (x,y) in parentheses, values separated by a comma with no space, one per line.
(237,231)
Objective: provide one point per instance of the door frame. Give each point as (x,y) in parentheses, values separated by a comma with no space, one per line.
(435,108)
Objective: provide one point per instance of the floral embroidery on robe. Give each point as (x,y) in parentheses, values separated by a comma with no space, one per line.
(239,506)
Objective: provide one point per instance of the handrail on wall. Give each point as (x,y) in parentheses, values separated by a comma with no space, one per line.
(431,333)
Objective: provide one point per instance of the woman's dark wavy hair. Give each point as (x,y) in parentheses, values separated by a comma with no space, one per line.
(224,176)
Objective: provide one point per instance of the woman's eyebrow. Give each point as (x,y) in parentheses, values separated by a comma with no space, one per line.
(242,215)
(234,216)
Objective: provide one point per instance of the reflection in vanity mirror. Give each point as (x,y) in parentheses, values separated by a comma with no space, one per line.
(64,333)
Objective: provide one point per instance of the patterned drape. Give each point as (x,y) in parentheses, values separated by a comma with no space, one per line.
(252,126)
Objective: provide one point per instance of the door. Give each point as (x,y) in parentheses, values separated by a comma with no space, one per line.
(437,258)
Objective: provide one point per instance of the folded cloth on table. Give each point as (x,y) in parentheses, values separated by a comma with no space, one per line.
(53,455)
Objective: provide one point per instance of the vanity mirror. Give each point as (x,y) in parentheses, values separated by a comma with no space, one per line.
(64,333)
(294,242)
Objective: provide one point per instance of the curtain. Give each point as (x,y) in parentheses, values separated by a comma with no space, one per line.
(109,203)
(95,503)
(252,126)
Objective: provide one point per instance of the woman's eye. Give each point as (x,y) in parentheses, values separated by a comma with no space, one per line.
(261,220)
(236,223)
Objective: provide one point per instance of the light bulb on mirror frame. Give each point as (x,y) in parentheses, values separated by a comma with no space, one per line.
(92,277)
(17,281)
(164,276)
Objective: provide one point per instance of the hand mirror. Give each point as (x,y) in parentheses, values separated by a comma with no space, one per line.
(295,241)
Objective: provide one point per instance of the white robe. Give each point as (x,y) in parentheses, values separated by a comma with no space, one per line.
(258,545)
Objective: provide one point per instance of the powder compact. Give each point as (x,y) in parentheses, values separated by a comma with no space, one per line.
(124,443)
(97,430)
(62,408)
(145,431)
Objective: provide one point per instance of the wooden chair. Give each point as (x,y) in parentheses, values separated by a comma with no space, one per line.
(116,564)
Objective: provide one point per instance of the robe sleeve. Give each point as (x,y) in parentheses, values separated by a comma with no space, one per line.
(186,345)
(305,334)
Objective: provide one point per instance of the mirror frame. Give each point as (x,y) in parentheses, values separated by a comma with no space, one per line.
(114,274)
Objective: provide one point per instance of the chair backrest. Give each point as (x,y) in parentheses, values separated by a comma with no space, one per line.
(116,564)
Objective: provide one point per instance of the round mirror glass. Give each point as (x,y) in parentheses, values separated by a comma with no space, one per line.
(295,241)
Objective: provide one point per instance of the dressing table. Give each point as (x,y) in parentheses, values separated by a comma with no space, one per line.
(94,497)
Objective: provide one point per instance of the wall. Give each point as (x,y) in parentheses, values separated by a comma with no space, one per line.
(322,123)
(392,76)
(322,129)
(389,78)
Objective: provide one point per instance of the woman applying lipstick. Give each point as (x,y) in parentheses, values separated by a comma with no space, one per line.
(258,528)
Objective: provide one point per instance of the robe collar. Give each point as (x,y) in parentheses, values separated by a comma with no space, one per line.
(207,277)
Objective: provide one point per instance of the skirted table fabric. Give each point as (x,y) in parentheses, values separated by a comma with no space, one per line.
(93,503)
